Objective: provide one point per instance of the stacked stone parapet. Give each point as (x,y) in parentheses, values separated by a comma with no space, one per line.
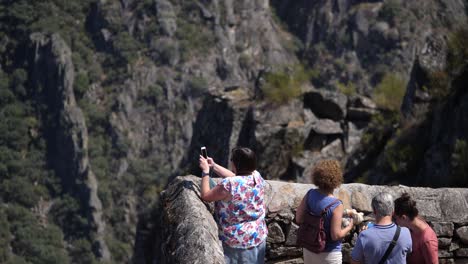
(189,225)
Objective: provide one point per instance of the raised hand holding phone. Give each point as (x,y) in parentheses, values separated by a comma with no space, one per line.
(204,153)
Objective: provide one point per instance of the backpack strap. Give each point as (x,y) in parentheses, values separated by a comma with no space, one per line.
(391,246)
(324,211)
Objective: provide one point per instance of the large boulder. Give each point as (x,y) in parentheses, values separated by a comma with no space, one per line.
(189,233)
(326,104)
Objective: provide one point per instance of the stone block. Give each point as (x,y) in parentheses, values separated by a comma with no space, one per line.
(346,251)
(361,202)
(462,252)
(275,233)
(445,254)
(343,195)
(283,252)
(446,261)
(285,216)
(444,242)
(291,234)
(462,233)
(444,229)
(453,247)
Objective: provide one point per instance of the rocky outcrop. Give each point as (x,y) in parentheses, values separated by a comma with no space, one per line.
(368,37)
(190,234)
(190,227)
(326,104)
(53,77)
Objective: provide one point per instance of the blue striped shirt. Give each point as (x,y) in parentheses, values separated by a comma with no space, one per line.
(373,242)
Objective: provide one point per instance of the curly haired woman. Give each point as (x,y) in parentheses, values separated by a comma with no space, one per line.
(327,175)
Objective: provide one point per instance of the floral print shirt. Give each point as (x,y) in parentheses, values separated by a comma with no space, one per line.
(241,218)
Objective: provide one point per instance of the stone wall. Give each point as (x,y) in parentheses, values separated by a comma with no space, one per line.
(189,232)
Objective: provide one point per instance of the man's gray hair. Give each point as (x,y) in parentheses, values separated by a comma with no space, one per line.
(382,204)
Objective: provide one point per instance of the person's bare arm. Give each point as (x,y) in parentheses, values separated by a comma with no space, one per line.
(300,211)
(216,194)
(207,194)
(336,232)
(220,170)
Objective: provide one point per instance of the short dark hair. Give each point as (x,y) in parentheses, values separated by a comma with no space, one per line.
(404,205)
(244,159)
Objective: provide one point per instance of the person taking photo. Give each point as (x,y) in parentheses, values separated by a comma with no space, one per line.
(240,206)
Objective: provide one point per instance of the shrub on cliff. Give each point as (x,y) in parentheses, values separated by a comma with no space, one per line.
(460,162)
(5,237)
(347,89)
(457,50)
(390,11)
(282,86)
(389,92)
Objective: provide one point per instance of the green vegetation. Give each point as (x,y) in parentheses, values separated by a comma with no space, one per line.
(389,92)
(347,89)
(5,236)
(400,156)
(197,86)
(459,162)
(378,128)
(391,10)
(32,242)
(127,47)
(439,85)
(193,39)
(245,61)
(280,87)
(154,94)
(364,179)
(27,133)
(457,57)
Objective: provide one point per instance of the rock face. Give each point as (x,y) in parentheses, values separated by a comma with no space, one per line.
(187,220)
(170,76)
(371,36)
(68,130)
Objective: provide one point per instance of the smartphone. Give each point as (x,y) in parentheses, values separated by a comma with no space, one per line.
(204,153)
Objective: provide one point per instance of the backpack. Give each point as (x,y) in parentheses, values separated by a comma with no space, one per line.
(311,234)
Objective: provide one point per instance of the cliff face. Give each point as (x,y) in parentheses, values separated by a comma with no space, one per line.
(53,76)
(189,220)
(369,37)
(122,95)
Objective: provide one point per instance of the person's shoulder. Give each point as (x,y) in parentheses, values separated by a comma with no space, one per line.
(405,230)
(256,173)
(368,236)
(313,192)
(365,234)
(406,235)
(429,233)
(231,180)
